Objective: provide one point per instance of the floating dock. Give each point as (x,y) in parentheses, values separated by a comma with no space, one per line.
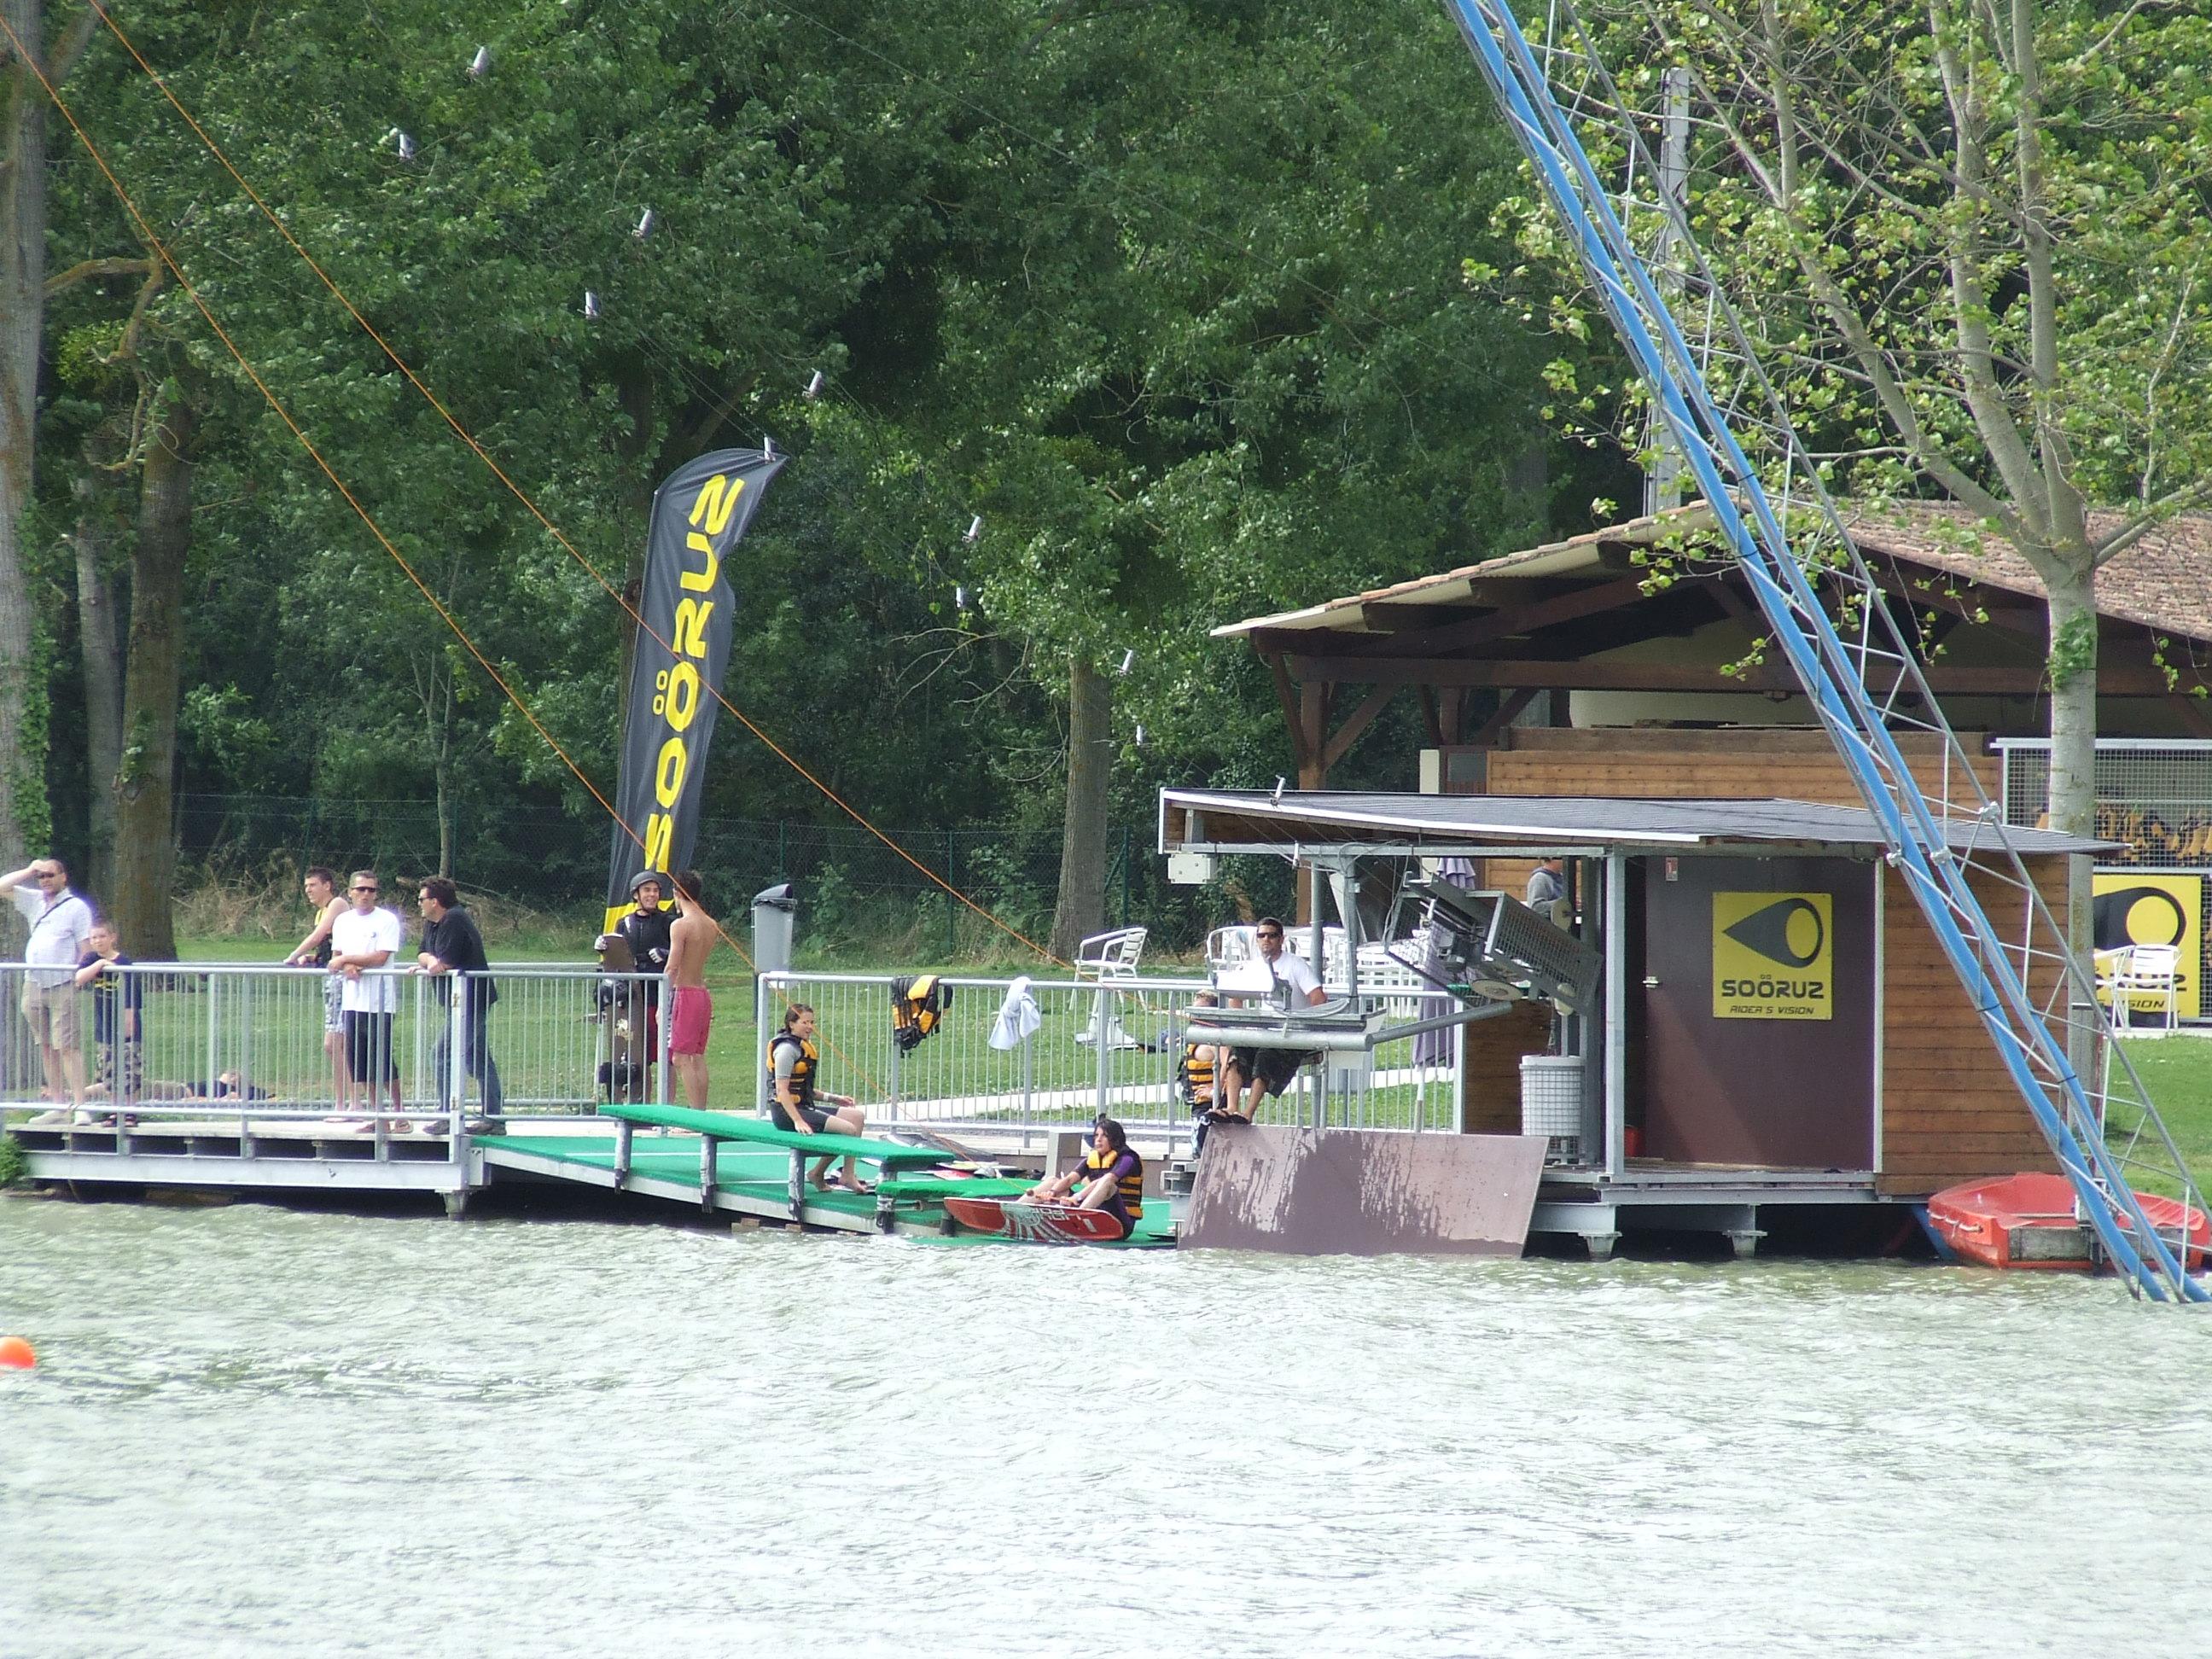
(741,1169)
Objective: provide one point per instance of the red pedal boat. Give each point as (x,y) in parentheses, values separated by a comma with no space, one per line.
(2027,1221)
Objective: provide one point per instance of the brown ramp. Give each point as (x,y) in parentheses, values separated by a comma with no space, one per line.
(1364,1192)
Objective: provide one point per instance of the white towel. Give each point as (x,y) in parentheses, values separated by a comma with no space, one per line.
(1019,1018)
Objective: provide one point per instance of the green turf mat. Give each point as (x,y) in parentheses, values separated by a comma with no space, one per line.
(753,1132)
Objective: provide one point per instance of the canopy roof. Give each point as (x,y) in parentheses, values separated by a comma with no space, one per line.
(2163,580)
(1229,820)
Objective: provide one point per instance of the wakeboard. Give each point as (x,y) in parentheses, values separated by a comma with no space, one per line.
(1034,1224)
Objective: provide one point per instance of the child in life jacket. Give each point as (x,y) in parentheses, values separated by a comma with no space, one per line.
(1110,1178)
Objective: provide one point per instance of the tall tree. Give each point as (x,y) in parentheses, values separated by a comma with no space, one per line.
(1993,218)
(22,304)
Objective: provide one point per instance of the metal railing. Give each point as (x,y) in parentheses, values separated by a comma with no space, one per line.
(1096,1048)
(268,1046)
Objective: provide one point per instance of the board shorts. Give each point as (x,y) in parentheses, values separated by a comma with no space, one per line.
(1274,1068)
(130,1081)
(333,1002)
(693,1019)
(369,1047)
(51,1012)
(817,1119)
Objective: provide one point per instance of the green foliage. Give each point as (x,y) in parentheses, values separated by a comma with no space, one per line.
(1170,295)
(15,1162)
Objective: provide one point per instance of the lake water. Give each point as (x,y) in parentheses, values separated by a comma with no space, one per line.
(260,1431)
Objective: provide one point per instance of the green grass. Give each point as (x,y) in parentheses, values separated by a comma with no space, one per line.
(2178,1073)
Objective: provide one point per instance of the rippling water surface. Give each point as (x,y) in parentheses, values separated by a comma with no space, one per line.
(254,1429)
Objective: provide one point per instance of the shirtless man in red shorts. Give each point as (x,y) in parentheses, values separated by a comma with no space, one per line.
(689,941)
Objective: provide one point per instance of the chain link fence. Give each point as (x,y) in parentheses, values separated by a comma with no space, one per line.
(856,893)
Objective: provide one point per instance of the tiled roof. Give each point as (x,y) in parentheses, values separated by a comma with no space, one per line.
(2163,581)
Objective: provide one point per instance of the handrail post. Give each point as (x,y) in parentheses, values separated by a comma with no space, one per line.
(457,1054)
(1101,1021)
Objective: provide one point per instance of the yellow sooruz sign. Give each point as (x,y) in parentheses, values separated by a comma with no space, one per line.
(1774,956)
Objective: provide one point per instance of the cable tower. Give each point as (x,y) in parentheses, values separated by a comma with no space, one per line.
(1855,657)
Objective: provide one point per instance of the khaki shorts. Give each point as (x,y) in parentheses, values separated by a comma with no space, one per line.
(51,1012)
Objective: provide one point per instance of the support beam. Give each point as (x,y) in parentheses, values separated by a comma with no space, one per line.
(1357,722)
(1313,725)
(1510,709)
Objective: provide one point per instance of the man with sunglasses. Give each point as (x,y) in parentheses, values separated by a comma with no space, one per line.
(60,924)
(1253,1075)
(363,939)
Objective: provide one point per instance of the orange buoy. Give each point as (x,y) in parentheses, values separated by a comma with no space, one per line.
(15,1354)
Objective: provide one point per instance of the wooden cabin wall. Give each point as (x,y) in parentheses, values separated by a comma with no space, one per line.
(1950,1111)
(1490,1085)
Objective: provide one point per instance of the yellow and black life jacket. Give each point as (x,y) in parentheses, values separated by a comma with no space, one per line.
(1195,1073)
(919,1002)
(803,1066)
(1131,1187)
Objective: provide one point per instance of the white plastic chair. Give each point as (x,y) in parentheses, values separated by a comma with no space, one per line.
(1106,956)
(1106,959)
(2147,976)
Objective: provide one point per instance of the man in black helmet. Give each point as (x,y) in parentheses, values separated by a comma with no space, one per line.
(646,930)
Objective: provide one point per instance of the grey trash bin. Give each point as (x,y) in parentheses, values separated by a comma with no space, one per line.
(773,907)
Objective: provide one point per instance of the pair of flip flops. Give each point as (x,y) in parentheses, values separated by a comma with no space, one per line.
(839,1184)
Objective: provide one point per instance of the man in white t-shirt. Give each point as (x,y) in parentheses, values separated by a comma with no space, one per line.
(1252,1074)
(363,939)
(60,923)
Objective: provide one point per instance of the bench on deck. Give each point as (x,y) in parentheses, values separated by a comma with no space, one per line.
(713,1127)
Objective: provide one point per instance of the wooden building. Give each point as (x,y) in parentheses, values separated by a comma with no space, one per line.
(1627,666)
(1860,1076)
(1642,624)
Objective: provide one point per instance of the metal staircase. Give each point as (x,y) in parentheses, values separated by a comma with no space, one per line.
(1842,634)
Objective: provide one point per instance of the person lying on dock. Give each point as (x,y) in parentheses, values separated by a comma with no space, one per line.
(1111,1177)
(794,1063)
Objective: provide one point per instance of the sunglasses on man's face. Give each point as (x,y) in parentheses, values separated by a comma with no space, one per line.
(1270,937)
(359,888)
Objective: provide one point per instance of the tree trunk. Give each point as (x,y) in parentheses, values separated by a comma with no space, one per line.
(1082,905)
(145,845)
(2072,663)
(102,654)
(22,296)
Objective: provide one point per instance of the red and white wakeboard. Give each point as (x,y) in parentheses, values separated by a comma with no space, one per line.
(1034,1224)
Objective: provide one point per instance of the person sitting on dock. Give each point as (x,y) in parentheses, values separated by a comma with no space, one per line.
(1199,1076)
(1111,1177)
(794,1062)
(1254,1073)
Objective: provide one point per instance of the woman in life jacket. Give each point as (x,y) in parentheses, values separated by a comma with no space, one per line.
(794,1063)
(1112,1178)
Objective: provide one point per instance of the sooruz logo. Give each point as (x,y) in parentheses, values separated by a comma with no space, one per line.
(678,690)
(1773,956)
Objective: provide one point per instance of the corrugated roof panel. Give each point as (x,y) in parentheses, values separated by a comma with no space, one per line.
(1535,819)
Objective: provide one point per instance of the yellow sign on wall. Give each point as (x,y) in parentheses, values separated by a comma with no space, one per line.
(1774,956)
(2155,906)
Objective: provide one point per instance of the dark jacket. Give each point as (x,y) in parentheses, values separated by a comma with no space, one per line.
(454,941)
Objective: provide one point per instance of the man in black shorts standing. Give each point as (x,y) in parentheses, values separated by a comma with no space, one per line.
(1253,1075)
(794,1064)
